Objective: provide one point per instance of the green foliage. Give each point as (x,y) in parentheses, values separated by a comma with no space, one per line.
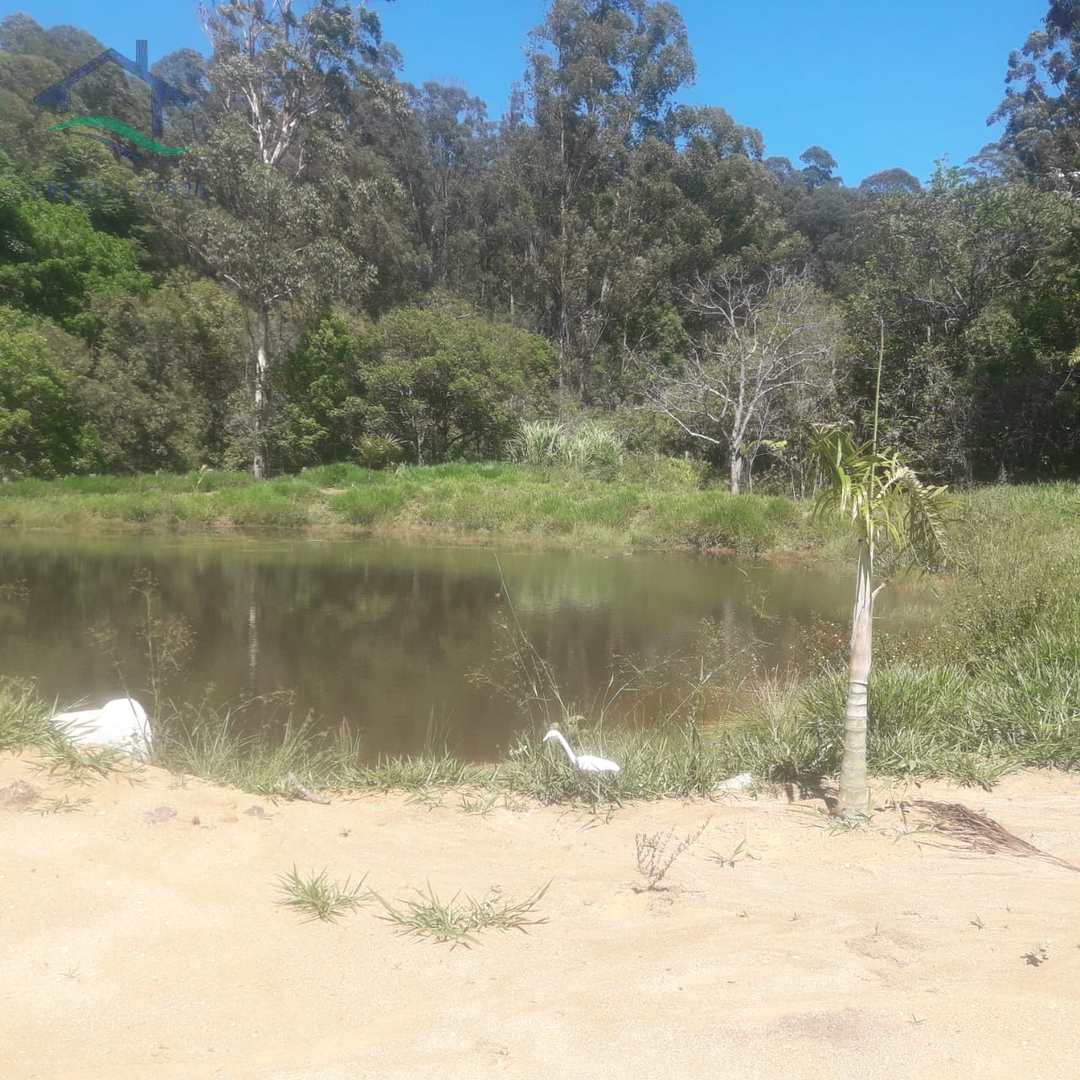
(370,503)
(973,284)
(591,214)
(378,451)
(322,418)
(160,383)
(53,262)
(24,717)
(716,519)
(1039,108)
(446,382)
(539,442)
(42,432)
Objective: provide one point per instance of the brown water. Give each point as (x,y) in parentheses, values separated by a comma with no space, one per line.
(384,634)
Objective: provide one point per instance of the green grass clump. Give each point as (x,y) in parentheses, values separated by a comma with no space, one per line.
(24,716)
(369,504)
(459,919)
(716,519)
(318,896)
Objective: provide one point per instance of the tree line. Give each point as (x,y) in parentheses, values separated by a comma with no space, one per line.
(341,265)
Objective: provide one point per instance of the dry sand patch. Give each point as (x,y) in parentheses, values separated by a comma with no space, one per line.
(143,944)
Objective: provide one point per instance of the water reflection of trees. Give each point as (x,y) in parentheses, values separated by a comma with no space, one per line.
(380,634)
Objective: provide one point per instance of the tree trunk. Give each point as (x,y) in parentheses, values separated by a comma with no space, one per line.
(738,469)
(854,793)
(260,386)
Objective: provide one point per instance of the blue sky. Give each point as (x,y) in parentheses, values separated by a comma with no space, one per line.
(877,84)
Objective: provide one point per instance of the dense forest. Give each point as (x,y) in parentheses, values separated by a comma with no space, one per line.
(343,266)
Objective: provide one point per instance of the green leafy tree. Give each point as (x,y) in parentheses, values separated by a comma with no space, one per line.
(891,182)
(323,415)
(42,432)
(53,261)
(161,383)
(818,168)
(975,283)
(446,382)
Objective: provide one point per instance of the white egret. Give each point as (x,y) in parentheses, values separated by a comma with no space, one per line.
(584,762)
(121,722)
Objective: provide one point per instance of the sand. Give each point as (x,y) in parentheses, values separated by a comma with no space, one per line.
(140,943)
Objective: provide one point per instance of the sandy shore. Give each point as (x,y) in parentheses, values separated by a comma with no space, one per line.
(140,943)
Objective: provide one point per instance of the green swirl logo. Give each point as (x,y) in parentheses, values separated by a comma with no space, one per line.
(125,131)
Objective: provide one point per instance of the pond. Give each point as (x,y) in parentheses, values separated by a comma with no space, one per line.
(390,636)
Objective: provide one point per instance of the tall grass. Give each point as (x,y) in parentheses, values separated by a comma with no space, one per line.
(592,445)
(539,442)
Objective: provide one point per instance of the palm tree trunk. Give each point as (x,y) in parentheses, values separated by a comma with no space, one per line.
(854,793)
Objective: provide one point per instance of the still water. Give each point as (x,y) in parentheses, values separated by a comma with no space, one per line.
(385,634)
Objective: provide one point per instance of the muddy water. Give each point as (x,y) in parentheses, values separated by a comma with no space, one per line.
(386,634)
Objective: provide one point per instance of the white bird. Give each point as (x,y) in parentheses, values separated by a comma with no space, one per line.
(121,722)
(584,762)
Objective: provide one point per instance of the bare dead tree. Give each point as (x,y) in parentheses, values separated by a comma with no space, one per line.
(760,338)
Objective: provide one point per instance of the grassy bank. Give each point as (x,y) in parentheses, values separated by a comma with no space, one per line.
(645,503)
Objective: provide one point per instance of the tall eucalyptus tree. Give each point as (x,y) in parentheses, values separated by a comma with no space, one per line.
(280,216)
(601,76)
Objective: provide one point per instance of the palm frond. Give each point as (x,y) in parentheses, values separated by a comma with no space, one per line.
(881,495)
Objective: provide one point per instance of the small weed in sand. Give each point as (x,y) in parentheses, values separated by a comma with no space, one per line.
(319,897)
(737,855)
(432,798)
(458,919)
(1037,956)
(63,805)
(658,852)
(978,923)
(481,805)
(852,821)
(915,833)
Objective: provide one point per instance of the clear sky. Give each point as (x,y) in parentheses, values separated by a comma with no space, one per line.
(878,84)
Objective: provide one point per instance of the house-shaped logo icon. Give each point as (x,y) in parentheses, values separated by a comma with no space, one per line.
(162,93)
